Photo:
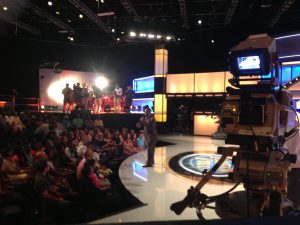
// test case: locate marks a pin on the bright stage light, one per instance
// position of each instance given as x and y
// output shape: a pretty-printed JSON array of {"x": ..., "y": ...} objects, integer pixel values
[
  {"x": 132, "y": 34},
  {"x": 80, "y": 16},
  {"x": 199, "y": 21},
  {"x": 50, "y": 3},
  {"x": 142, "y": 35},
  {"x": 101, "y": 82},
  {"x": 169, "y": 38},
  {"x": 158, "y": 36},
  {"x": 151, "y": 36},
  {"x": 5, "y": 8}
]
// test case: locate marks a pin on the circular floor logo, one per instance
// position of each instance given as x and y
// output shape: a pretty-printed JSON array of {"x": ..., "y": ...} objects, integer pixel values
[{"x": 197, "y": 163}]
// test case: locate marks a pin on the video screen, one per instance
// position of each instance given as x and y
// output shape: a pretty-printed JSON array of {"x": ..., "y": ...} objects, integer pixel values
[{"x": 248, "y": 62}]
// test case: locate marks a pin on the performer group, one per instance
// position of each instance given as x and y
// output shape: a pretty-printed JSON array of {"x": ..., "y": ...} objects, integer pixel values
[{"x": 85, "y": 97}]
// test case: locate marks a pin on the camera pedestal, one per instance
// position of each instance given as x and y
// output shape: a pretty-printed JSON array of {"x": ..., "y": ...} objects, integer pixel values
[{"x": 234, "y": 205}]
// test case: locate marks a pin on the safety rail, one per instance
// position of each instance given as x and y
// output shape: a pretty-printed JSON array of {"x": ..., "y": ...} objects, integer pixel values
[{"x": 12, "y": 103}]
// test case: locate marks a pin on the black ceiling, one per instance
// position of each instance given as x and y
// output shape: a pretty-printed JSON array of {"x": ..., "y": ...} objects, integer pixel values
[{"x": 37, "y": 20}]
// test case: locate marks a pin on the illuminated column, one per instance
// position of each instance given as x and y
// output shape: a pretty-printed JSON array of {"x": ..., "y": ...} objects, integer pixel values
[{"x": 161, "y": 69}]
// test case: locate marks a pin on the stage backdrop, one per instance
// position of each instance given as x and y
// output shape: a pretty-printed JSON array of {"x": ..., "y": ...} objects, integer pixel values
[{"x": 52, "y": 83}]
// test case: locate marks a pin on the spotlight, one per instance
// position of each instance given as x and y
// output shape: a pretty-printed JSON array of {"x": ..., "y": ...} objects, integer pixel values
[
  {"x": 142, "y": 35},
  {"x": 296, "y": 78},
  {"x": 80, "y": 16},
  {"x": 169, "y": 38},
  {"x": 122, "y": 32},
  {"x": 69, "y": 21},
  {"x": 5, "y": 8},
  {"x": 102, "y": 1},
  {"x": 212, "y": 41},
  {"x": 158, "y": 36},
  {"x": 50, "y": 3},
  {"x": 71, "y": 38},
  {"x": 113, "y": 30},
  {"x": 199, "y": 21},
  {"x": 42, "y": 107},
  {"x": 151, "y": 36},
  {"x": 132, "y": 34},
  {"x": 118, "y": 39},
  {"x": 57, "y": 13},
  {"x": 101, "y": 82}
]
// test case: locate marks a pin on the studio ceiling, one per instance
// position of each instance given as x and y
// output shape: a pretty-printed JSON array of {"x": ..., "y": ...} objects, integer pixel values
[{"x": 109, "y": 22}]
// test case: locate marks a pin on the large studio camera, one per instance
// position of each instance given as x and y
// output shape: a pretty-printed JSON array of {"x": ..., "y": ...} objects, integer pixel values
[{"x": 257, "y": 117}]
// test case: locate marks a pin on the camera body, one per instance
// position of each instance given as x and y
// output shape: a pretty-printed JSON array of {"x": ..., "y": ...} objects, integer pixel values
[{"x": 256, "y": 115}]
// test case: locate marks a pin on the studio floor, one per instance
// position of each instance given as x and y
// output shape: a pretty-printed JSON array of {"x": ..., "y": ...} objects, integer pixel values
[{"x": 158, "y": 187}]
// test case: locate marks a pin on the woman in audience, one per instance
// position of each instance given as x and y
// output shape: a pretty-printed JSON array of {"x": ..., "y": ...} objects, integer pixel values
[
  {"x": 128, "y": 147},
  {"x": 10, "y": 167}
]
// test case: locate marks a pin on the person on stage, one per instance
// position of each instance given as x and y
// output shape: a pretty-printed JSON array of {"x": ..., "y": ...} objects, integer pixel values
[
  {"x": 117, "y": 98},
  {"x": 149, "y": 123},
  {"x": 85, "y": 96},
  {"x": 98, "y": 99},
  {"x": 68, "y": 93},
  {"x": 129, "y": 95},
  {"x": 78, "y": 95}
]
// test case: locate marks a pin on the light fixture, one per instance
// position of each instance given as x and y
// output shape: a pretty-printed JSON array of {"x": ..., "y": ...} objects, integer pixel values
[
  {"x": 151, "y": 36},
  {"x": 158, "y": 36},
  {"x": 80, "y": 16},
  {"x": 142, "y": 35},
  {"x": 212, "y": 41},
  {"x": 69, "y": 21},
  {"x": 5, "y": 8},
  {"x": 71, "y": 38},
  {"x": 132, "y": 34},
  {"x": 118, "y": 39},
  {"x": 113, "y": 30},
  {"x": 102, "y": 1},
  {"x": 169, "y": 38},
  {"x": 101, "y": 82},
  {"x": 57, "y": 13},
  {"x": 199, "y": 21},
  {"x": 122, "y": 32},
  {"x": 50, "y": 3}
]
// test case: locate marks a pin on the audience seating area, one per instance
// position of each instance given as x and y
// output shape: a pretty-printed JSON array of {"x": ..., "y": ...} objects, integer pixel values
[{"x": 58, "y": 168}]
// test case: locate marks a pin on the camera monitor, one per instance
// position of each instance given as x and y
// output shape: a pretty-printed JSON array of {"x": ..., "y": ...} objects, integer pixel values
[{"x": 249, "y": 62}]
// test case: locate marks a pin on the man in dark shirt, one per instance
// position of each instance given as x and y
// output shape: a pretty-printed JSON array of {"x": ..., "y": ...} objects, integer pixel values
[
  {"x": 149, "y": 123},
  {"x": 129, "y": 95}
]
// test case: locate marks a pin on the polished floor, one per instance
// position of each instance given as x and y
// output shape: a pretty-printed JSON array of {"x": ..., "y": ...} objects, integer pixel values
[{"x": 159, "y": 187}]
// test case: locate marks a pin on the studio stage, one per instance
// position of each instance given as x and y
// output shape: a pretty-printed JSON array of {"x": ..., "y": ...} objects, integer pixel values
[{"x": 160, "y": 186}]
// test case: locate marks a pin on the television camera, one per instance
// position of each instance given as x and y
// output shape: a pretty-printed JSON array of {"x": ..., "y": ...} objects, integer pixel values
[{"x": 258, "y": 117}]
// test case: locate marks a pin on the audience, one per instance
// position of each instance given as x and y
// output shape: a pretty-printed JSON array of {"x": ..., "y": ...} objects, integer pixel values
[{"x": 62, "y": 160}]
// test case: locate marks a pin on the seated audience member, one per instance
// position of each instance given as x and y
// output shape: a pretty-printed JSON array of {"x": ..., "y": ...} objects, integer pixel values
[
  {"x": 128, "y": 147},
  {"x": 98, "y": 123},
  {"x": 78, "y": 122},
  {"x": 99, "y": 181},
  {"x": 66, "y": 122},
  {"x": 90, "y": 189},
  {"x": 49, "y": 196},
  {"x": 116, "y": 138},
  {"x": 134, "y": 140},
  {"x": 69, "y": 148},
  {"x": 141, "y": 140},
  {"x": 89, "y": 123},
  {"x": 88, "y": 154},
  {"x": 10, "y": 167}
]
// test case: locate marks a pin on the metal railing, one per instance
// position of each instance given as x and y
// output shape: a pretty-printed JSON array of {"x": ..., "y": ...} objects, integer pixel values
[{"x": 12, "y": 103}]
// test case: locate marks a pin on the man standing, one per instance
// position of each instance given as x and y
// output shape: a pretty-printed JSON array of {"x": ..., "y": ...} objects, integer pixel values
[
  {"x": 129, "y": 95},
  {"x": 67, "y": 92},
  {"x": 149, "y": 123},
  {"x": 117, "y": 98}
]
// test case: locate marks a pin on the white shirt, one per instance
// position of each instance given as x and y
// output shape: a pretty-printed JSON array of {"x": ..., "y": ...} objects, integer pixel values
[{"x": 118, "y": 91}]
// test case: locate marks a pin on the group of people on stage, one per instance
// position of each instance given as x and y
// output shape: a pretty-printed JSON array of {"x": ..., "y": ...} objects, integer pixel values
[{"x": 93, "y": 98}]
